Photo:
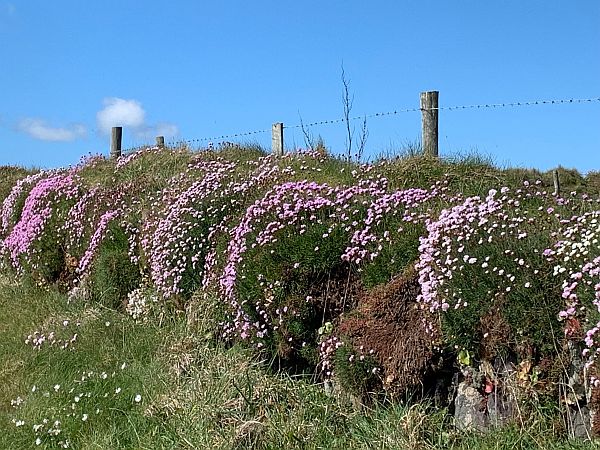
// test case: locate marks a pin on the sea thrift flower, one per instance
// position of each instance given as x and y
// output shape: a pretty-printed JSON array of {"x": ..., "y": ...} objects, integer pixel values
[
  {"x": 9, "y": 203},
  {"x": 96, "y": 240},
  {"x": 36, "y": 212}
]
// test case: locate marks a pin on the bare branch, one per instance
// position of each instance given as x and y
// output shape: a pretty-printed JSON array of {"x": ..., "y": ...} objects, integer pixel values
[
  {"x": 309, "y": 140},
  {"x": 364, "y": 135},
  {"x": 347, "y": 102}
]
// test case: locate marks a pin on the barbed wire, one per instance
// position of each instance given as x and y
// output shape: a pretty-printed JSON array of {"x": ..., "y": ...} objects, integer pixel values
[
  {"x": 218, "y": 138},
  {"x": 449, "y": 108},
  {"x": 387, "y": 113},
  {"x": 529, "y": 103}
]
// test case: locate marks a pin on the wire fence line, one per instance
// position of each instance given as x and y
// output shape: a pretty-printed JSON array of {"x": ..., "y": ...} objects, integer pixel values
[{"x": 378, "y": 115}]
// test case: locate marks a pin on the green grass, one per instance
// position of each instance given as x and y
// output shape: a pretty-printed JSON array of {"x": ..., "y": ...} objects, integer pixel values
[
  {"x": 105, "y": 341},
  {"x": 194, "y": 393},
  {"x": 9, "y": 176}
]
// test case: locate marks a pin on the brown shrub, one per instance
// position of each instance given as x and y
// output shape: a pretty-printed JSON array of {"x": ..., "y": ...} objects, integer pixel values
[{"x": 388, "y": 321}]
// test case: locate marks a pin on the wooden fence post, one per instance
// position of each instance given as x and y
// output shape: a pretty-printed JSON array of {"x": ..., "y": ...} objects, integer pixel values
[
  {"x": 115, "y": 142},
  {"x": 556, "y": 182},
  {"x": 429, "y": 130},
  {"x": 160, "y": 141},
  {"x": 277, "y": 139}
]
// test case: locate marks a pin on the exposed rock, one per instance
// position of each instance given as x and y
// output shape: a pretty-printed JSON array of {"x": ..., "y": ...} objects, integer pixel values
[
  {"x": 470, "y": 409},
  {"x": 579, "y": 423},
  {"x": 483, "y": 402},
  {"x": 576, "y": 373},
  {"x": 581, "y": 397}
]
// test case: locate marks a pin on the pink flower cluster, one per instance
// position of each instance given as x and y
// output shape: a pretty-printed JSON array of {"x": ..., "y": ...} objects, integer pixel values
[
  {"x": 9, "y": 203},
  {"x": 39, "y": 207},
  {"x": 576, "y": 258},
  {"x": 438, "y": 259},
  {"x": 497, "y": 222},
  {"x": 178, "y": 235},
  {"x": 97, "y": 237}
]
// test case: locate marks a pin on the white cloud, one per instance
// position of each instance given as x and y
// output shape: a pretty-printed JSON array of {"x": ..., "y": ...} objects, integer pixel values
[
  {"x": 39, "y": 129},
  {"x": 118, "y": 112}
]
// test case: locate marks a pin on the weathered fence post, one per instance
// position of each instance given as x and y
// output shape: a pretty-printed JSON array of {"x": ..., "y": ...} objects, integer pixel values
[
  {"x": 556, "y": 182},
  {"x": 115, "y": 142},
  {"x": 277, "y": 139},
  {"x": 160, "y": 141},
  {"x": 429, "y": 112}
]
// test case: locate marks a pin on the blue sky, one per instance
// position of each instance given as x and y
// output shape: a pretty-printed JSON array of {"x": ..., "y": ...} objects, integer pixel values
[{"x": 189, "y": 69}]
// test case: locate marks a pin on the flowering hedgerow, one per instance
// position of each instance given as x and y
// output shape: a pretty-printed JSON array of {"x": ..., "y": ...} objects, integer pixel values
[
  {"x": 37, "y": 220},
  {"x": 86, "y": 225},
  {"x": 483, "y": 260},
  {"x": 186, "y": 219},
  {"x": 290, "y": 240},
  {"x": 268, "y": 236},
  {"x": 173, "y": 240}
]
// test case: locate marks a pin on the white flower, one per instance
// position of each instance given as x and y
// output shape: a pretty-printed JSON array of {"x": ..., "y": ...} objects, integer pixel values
[
  {"x": 84, "y": 417},
  {"x": 117, "y": 390},
  {"x": 56, "y": 387},
  {"x": 38, "y": 441},
  {"x": 138, "y": 398}
]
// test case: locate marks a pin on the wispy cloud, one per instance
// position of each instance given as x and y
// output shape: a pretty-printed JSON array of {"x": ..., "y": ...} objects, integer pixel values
[
  {"x": 39, "y": 129},
  {"x": 119, "y": 112}
]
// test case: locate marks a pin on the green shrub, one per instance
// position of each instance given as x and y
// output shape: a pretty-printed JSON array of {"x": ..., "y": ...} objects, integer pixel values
[
  {"x": 113, "y": 275},
  {"x": 357, "y": 373}
]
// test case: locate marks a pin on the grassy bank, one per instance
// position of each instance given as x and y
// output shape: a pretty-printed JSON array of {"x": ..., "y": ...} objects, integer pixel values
[
  {"x": 230, "y": 299},
  {"x": 193, "y": 393}
]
